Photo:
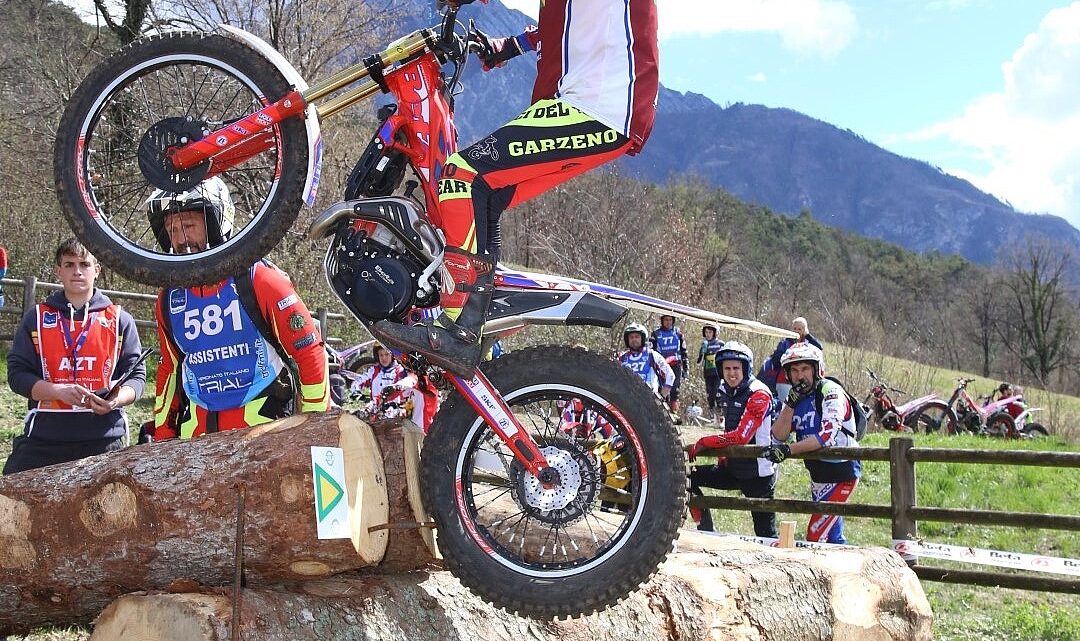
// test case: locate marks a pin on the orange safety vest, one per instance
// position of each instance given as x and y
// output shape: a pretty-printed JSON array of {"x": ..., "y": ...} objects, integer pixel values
[{"x": 80, "y": 351}]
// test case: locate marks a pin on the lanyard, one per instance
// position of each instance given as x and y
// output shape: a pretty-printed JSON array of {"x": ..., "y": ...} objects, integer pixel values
[{"x": 74, "y": 345}]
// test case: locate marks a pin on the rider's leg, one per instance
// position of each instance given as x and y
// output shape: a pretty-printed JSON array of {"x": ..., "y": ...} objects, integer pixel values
[
  {"x": 546, "y": 145},
  {"x": 829, "y": 527}
]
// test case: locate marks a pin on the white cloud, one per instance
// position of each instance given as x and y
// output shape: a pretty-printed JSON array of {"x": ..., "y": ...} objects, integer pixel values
[
  {"x": 528, "y": 7},
  {"x": 1028, "y": 134},
  {"x": 758, "y": 77},
  {"x": 822, "y": 27}
]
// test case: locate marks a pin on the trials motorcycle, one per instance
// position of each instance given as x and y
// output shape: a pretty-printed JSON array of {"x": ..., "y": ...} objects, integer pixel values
[{"x": 524, "y": 516}]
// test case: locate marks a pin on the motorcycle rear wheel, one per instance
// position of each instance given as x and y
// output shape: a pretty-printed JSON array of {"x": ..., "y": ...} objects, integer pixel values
[
  {"x": 153, "y": 94},
  {"x": 1036, "y": 430},
  {"x": 1001, "y": 424},
  {"x": 584, "y": 544},
  {"x": 934, "y": 417}
]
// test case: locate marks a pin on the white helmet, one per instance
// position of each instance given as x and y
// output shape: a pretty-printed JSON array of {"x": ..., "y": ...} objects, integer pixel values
[
  {"x": 804, "y": 352},
  {"x": 632, "y": 328},
  {"x": 736, "y": 351},
  {"x": 211, "y": 197}
]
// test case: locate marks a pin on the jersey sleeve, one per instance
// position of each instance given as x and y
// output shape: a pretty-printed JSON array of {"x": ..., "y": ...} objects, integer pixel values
[
  {"x": 753, "y": 417},
  {"x": 294, "y": 329},
  {"x": 167, "y": 387},
  {"x": 835, "y": 413},
  {"x": 663, "y": 368}
]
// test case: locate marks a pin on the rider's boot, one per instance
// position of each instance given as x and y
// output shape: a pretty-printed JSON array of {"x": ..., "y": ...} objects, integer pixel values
[{"x": 452, "y": 341}]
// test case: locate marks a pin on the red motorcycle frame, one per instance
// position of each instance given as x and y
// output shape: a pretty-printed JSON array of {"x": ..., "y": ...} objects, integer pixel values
[
  {"x": 928, "y": 412},
  {"x": 977, "y": 417}
]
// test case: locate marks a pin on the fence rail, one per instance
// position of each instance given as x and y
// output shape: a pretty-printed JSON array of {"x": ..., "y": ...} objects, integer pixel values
[
  {"x": 30, "y": 286},
  {"x": 905, "y": 514}
]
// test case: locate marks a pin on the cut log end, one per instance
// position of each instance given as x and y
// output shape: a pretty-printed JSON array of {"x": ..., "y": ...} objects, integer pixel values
[{"x": 364, "y": 471}]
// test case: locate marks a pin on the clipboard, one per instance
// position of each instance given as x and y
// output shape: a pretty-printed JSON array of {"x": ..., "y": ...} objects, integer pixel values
[{"x": 107, "y": 392}]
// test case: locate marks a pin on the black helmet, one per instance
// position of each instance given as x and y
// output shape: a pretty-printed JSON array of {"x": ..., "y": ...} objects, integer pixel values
[{"x": 211, "y": 196}]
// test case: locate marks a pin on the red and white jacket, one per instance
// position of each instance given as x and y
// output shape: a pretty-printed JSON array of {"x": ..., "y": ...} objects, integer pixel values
[{"x": 602, "y": 57}]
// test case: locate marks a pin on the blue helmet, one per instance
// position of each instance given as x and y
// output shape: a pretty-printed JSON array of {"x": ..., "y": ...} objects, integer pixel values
[{"x": 736, "y": 351}]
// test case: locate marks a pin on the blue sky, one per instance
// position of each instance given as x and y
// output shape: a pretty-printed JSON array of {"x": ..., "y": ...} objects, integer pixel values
[{"x": 988, "y": 90}]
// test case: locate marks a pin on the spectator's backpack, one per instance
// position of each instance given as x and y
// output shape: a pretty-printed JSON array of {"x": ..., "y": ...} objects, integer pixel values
[{"x": 857, "y": 410}]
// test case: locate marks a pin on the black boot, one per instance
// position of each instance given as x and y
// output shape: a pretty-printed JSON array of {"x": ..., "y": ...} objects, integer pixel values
[{"x": 450, "y": 343}]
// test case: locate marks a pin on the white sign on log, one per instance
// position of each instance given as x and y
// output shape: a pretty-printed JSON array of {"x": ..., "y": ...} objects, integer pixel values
[{"x": 331, "y": 495}]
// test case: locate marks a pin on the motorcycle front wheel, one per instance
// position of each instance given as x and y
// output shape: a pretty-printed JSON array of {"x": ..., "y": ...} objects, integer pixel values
[
  {"x": 159, "y": 93},
  {"x": 934, "y": 417},
  {"x": 597, "y": 534}
]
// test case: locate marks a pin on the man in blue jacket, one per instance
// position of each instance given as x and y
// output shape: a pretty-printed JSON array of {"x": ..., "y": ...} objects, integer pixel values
[{"x": 75, "y": 343}]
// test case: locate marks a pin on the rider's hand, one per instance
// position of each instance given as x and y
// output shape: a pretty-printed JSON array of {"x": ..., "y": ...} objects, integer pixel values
[
  {"x": 494, "y": 52},
  {"x": 389, "y": 389},
  {"x": 794, "y": 396},
  {"x": 776, "y": 453}
]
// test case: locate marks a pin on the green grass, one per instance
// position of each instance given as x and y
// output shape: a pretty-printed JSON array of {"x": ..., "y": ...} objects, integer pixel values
[
  {"x": 965, "y": 612},
  {"x": 962, "y": 613}
]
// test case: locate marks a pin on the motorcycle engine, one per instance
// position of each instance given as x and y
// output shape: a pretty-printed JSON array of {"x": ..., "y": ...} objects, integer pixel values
[
  {"x": 375, "y": 281},
  {"x": 890, "y": 420}
]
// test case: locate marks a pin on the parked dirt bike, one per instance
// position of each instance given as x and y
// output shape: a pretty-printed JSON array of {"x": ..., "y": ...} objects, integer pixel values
[
  {"x": 982, "y": 416},
  {"x": 1031, "y": 429},
  {"x": 345, "y": 367},
  {"x": 529, "y": 534},
  {"x": 392, "y": 403},
  {"x": 926, "y": 413}
]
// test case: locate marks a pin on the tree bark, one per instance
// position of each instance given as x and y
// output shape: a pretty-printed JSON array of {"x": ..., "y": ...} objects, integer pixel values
[
  {"x": 728, "y": 590},
  {"x": 73, "y": 537},
  {"x": 411, "y": 545}
]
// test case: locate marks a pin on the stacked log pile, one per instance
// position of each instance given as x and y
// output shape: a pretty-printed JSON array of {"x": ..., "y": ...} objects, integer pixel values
[{"x": 145, "y": 538}]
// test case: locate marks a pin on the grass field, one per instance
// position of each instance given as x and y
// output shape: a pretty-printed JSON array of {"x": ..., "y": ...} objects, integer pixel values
[{"x": 962, "y": 613}]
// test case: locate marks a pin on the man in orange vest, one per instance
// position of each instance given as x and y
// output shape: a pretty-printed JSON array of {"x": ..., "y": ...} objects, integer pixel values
[{"x": 74, "y": 344}]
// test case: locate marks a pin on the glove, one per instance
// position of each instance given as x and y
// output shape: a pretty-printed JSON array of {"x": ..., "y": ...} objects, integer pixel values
[
  {"x": 793, "y": 397},
  {"x": 494, "y": 52},
  {"x": 693, "y": 451},
  {"x": 389, "y": 389},
  {"x": 776, "y": 453}
]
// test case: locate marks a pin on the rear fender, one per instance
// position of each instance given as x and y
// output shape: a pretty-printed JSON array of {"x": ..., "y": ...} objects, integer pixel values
[{"x": 311, "y": 119}]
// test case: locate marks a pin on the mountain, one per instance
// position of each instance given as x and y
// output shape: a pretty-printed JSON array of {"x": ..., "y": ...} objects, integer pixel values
[{"x": 779, "y": 158}]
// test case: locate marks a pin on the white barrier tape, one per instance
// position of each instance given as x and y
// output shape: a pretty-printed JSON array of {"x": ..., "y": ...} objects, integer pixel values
[
  {"x": 1034, "y": 562},
  {"x": 910, "y": 550},
  {"x": 773, "y": 543}
]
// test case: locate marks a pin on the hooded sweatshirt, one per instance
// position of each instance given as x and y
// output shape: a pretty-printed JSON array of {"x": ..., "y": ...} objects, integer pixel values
[{"x": 25, "y": 369}]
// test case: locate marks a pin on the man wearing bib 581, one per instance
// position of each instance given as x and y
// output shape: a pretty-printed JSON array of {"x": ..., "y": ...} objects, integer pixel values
[
  {"x": 594, "y": 100},
  {"x": 228, "y": 349}
]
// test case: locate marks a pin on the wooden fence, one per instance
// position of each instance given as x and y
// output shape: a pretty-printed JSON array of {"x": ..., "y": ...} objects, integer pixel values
[
  {"x": 905, "y": 514},
  {"x": 31, "y": 285}
]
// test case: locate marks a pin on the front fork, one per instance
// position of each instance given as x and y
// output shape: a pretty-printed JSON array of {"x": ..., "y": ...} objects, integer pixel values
[{"x": 491, "y": 407}]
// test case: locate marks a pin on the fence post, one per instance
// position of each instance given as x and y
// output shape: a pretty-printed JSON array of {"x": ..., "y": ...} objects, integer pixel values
[
  {"x": 320, "y": 313},
  {"x": 29, "y": 293},
  {"x": 902, "y": 482}
]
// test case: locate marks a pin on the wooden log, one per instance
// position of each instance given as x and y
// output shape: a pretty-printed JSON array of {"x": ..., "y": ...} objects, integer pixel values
[
  {"x": 411, "y": 544},
  {"x": 728, "y": 590},
  {"x": 73, "y": 537}
]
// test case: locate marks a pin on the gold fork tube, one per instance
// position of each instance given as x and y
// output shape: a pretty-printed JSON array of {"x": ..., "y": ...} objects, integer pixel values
[
  {"x": 330, "y": 108},
  {"x": 398, "y": 50}
]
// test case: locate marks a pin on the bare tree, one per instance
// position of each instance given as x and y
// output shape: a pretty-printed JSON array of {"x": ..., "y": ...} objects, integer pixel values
[
  {"x": 126, "y": 25},
  {"x": 316, "y": 36},
  {"x": 1043, "y": 318}
]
